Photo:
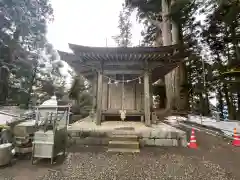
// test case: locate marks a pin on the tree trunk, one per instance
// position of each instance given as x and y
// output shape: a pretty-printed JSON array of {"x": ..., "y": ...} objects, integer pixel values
[
  {"x": 238, "y": 111},
  {"x": 220, "y": 100},
  {"x": 180, "y": 73},
  {"x": 5, "y": 73},
  {"x": 232, "y": 106},
  {"x": 206, "y": 106},
  {"x": 201, "y": 104},
  {"x": 235, "y": 44},
  {"x": 176, "y": 72},
  {"x": 166, "y": 24},
  {"x": 176, "y": 97},
  {"x": 4, "y": 76},
  {"x": 235, "y": 62},
  {"x": 166, "y": 36},
  {"x": 30, "y": 89},
  {"x": 229, "y": 103}
]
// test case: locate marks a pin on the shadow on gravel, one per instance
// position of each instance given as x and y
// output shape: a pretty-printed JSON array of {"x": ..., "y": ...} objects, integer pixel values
[{"x": 46, "y": 162}]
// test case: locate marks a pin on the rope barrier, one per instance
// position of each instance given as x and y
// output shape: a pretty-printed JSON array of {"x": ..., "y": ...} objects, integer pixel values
[{"x": 122, "y": 81}]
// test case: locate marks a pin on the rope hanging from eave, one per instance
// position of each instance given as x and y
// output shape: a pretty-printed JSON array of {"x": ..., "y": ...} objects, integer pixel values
[
  {"x": 123, "y": 91},
  {"x": 123, "y": 111}
]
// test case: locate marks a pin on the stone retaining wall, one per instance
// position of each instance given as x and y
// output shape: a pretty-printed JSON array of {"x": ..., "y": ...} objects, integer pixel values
[
  {"x": 147, "y": 138},
  {"x": 159, "y": 137}
]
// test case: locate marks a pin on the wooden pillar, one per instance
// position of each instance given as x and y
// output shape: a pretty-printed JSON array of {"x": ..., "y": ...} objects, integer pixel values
[
  {"x": 147, "y": 98},
  {"x": 94, "y": 91},
  {"x": 150, "y": 91},
  {"x": 99, "y": 98}
]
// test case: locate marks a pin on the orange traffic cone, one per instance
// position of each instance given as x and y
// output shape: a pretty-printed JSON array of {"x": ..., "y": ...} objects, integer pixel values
[
  {"x": 193, "y": 142},
  {"x": 236, "y": 138}
]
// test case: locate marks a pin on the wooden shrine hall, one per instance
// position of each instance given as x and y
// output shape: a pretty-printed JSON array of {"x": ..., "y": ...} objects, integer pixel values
[{"x": 122, "y": 77}]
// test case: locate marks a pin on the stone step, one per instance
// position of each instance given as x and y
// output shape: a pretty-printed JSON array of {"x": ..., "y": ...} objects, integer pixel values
[
  {"x": 124, "y": 132},
  {"x": 124, "y": 144},
  {"x": 123, "y": 150},
  {"x": 126, "y": 137}
]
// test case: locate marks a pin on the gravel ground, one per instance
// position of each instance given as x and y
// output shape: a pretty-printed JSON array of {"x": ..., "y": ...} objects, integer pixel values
[
  {"x": 149, "y": 164},
  {"x": 215, "y": 159}
]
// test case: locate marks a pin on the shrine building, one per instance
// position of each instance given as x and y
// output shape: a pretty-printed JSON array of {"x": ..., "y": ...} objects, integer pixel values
[{"x": 122, "y": 78}]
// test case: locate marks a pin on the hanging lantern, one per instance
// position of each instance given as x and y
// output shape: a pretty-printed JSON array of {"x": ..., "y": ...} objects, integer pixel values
[{"x": 139, "y": 80}]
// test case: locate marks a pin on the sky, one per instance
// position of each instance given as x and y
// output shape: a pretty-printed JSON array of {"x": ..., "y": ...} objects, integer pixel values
[{"x": 87, "y": 22}]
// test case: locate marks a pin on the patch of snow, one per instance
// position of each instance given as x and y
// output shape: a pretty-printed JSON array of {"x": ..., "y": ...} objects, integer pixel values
[
  {"x": 5, "y": 145},
  {"x": 14, "y": 110},
  {"x": 226, "y": 127},
  {"x": 174, "y": 119},
  {"x": 5, "y": 118},
  {"x": 6, "y": 111}
]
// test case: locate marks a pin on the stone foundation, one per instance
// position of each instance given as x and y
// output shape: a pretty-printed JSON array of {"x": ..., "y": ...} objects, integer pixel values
[
  {"x": 149, "y": 137},
  {"x": 143, "y": 141}
]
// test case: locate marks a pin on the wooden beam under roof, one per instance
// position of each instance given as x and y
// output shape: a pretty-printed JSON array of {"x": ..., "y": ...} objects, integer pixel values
[
  {"x": 123, "y": 71},
  {"x": 122, "y": 63}
]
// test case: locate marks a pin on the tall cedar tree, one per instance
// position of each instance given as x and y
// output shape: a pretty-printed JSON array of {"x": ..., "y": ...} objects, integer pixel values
[{"x": 123, "y": 39}]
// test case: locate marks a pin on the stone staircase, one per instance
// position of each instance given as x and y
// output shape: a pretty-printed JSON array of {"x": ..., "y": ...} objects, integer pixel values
[{"x": 124, "y": 140}]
